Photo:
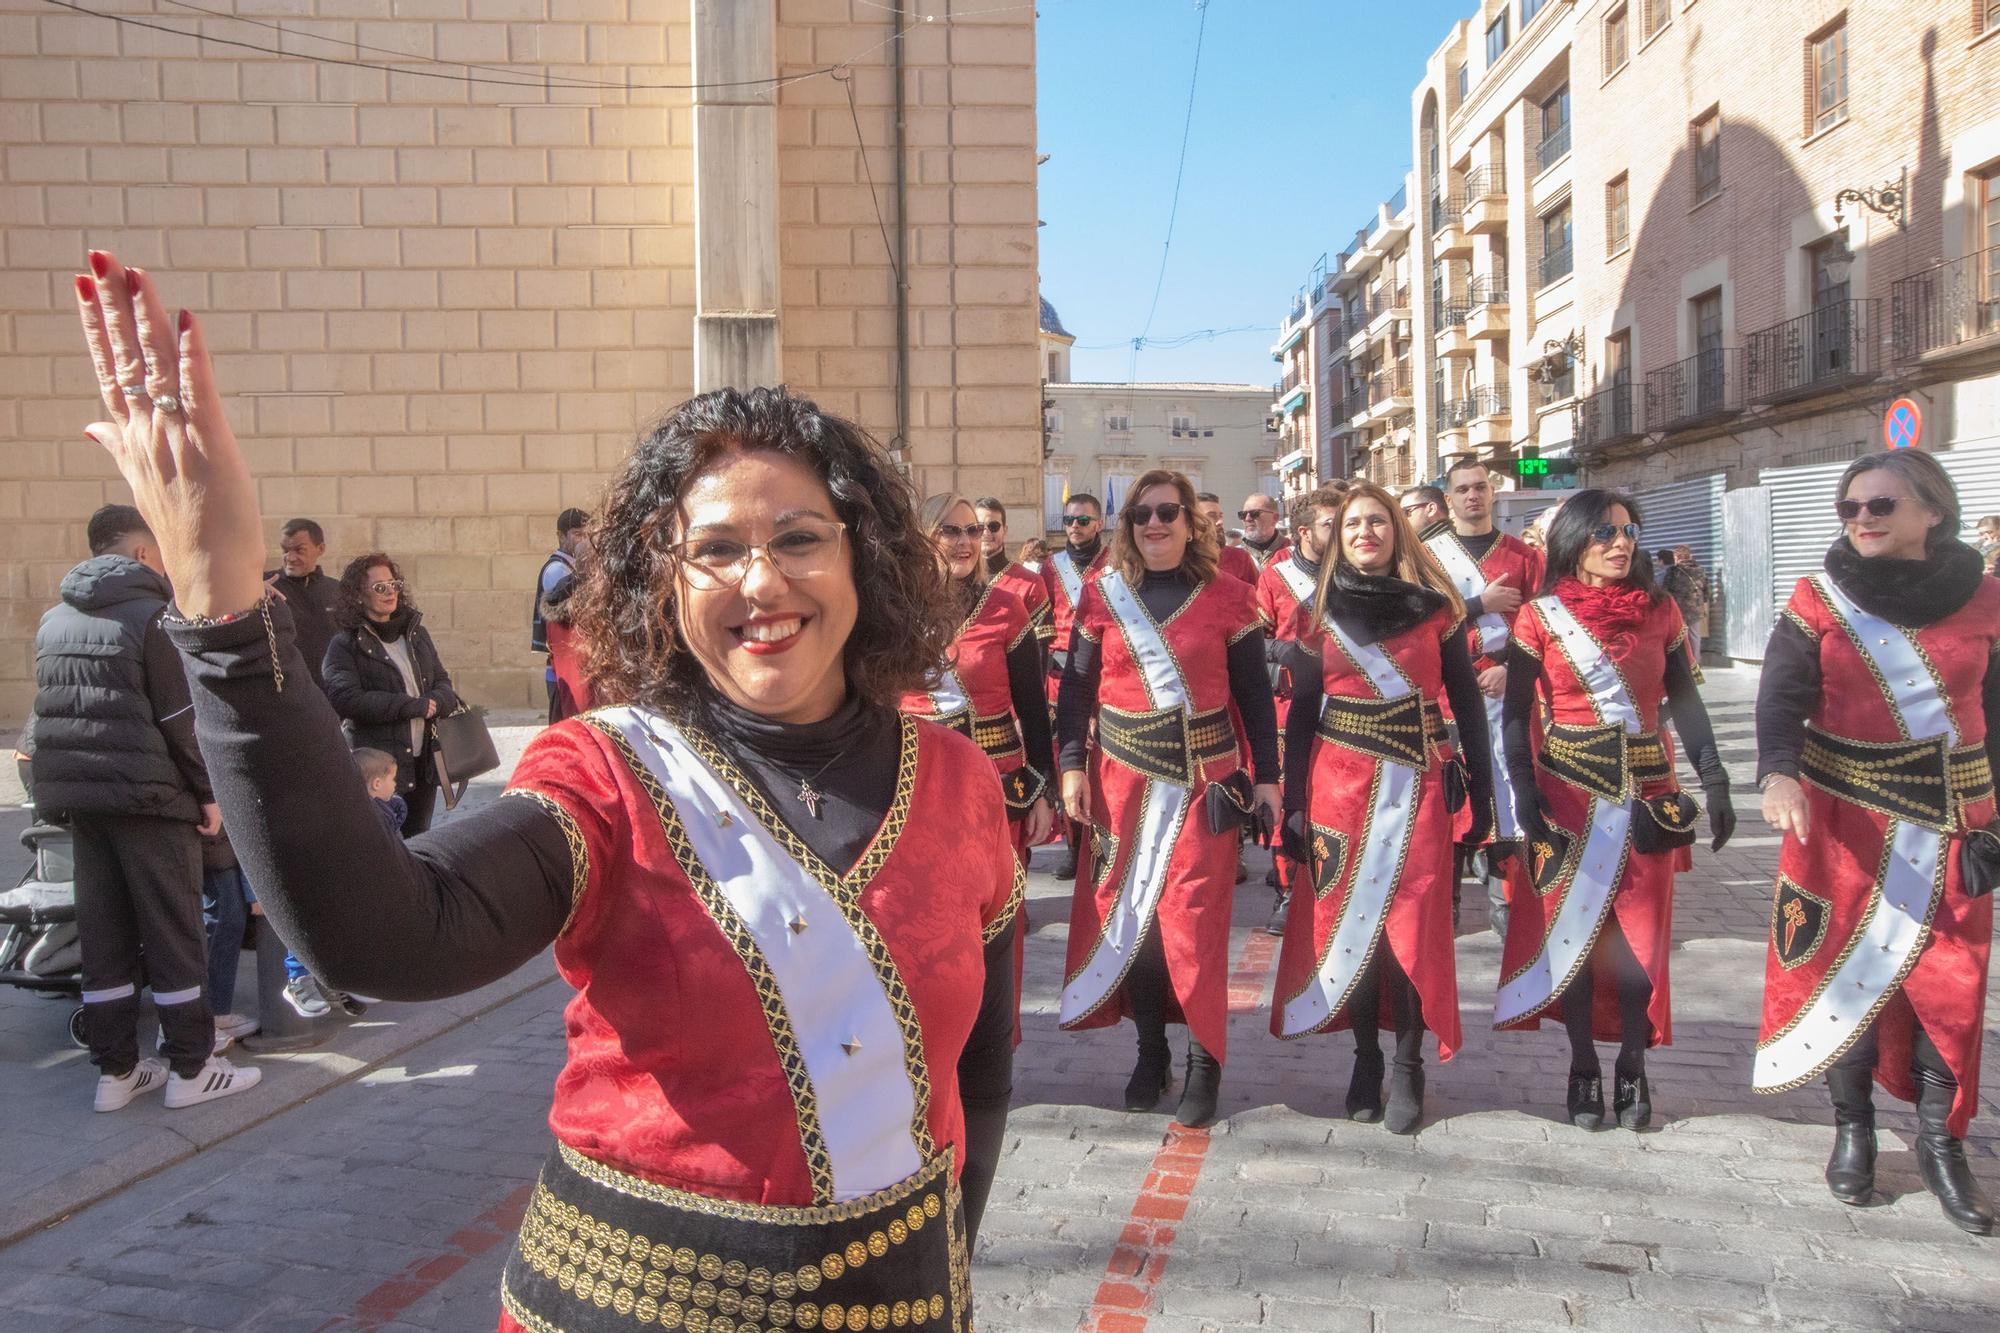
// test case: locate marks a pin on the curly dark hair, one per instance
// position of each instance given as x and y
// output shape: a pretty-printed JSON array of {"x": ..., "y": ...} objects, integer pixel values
[
  {"x": 624, "y": 611},
  {"x": 350, "y": 603}
]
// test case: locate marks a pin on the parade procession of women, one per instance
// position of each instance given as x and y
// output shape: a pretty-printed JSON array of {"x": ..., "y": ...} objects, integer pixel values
[{"x": 783, "y": 864}]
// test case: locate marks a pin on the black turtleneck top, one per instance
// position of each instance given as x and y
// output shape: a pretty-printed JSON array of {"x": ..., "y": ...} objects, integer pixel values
[
  {"x": 997, "y": 562},
  {"x": 1164, "y": 593}
]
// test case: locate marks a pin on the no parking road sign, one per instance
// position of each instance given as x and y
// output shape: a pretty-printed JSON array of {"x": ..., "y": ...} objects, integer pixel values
[{"x": 1902, "y": 424}]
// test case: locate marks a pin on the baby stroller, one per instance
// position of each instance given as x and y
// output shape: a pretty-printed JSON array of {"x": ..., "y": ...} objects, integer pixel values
[{"x": 39, "y": 950}]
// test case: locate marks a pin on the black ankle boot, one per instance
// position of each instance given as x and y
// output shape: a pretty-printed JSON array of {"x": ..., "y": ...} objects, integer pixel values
[
  {"x": 1632, "y": 1100},
  {"x": 1850, "y": 1171},
  {"x": 1586, "y": 1098},
  {"x": 1151, "y": 1075},
  {"x": 1279, "y": 914},
  {"x": 1204, "y": 1085},
  {"x": 1941, "y": 1158},
  {"x": 1406, "y": 1099},
  {"x": 1364, "y": 1088},
  {"x": 1066, "y": 868}
]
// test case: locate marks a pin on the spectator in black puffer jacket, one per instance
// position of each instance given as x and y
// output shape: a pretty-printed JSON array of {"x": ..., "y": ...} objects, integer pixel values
[
  {"x": 115, "y": 754},
  {"x": 384, "y": 679}
]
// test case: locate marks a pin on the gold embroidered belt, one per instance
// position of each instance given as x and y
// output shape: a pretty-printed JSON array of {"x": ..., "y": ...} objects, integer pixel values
[
  {"x": 1400, "y": 730},
  {"x": 1167, "y": 745},
  {"x": 1606, "y": 761},
  {"x": 600, "y": 1249},
  {"x": 1925, "y": 782},
  {"x": 997, "y": 735}
]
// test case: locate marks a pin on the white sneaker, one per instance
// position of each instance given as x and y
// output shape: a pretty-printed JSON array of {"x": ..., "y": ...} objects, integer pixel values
[
  {"x": 217, "y": 1078},
  {"x": 236, "y": 1025},
  {"x": 115, "y": 1094}
]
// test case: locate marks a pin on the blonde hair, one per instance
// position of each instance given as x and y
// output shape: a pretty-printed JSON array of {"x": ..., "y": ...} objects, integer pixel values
[
  {"x": 1204, "y": 548},
  {"x": 932, "y": 513},
  {"x": 1413, "y": 561}
]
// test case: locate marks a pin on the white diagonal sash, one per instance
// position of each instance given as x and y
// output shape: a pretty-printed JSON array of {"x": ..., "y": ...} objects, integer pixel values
[
  {"x": 1586, "y": 889},
  {"x": 1383, "y": 843},
  {"x": 1301, "y": 583},
  {"x": 1163, "y": 809},
  {"x": 1069, "y": 576},
  {"x": 839, "y": 1012},
  {"x": 1470, "y": 580},
  {"x": 1893, "y": 930}
]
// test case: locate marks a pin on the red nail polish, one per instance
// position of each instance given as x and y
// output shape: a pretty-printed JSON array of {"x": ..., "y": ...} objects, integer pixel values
[
  {"x": 131, "y": 277},
  {"x": 85, "y": 287},
  {"x": 100, "y": 263},
  {"x": 186, "y": 320}
]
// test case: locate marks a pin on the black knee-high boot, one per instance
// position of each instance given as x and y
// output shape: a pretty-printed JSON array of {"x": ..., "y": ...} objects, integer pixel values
[
  {"x": 1586, "y": 1075},
  {"x": 1941, "y": 1154},
  {"x": 1146, "y": 990},
  {"x": 1850, "y": 1170},
  {"x": 1406, "y": 1084},
  {"x": 1204, "y": 1087}
]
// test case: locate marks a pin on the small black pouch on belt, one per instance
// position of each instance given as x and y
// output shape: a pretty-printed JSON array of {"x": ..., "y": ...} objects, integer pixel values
[
  {"x": 1979, "y": 861},
  {"x": 1665, "y": 822},
  {"x": 1230, "y": 804}
]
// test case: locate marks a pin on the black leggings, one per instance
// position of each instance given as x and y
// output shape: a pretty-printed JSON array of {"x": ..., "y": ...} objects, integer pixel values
[
  {"x": 1148, "y": 989},
  {"x": 1930, "y": 1066},
  {"x": 1635, "y": 993},
  {"x": 1406, "y": 1009}
]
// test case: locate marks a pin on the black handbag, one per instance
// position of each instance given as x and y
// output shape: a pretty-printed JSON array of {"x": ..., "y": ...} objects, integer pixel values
[
  {"x": 1231, "y": 804},
  {"x": 1979, "y": 861},
  {"x": 1665, "y": 822},
  {"x": 1457, "y": 785},
  {"x": 1022, "y": 788},
  {"x": 461, "y": 750}
]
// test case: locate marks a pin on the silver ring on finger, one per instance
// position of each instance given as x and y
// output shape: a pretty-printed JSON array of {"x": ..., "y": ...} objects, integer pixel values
[
  {"x": 134, "y": 391},
  {"x": 166, "y": 402}
]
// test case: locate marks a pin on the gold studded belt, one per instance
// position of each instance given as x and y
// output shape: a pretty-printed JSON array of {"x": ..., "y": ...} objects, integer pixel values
[
  {"x": 997, "y": 735},
  {"x": 601, "y": 1249},
  {"x": 1924, "y": 782},
  {"x": 1606, "y": 761},
  {"x": 1166, "y": 744},
  {"x": 1399, "y": 730}
]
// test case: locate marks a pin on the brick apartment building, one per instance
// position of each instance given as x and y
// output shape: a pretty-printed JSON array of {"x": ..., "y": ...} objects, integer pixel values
[{"x": 448, "y": 281}]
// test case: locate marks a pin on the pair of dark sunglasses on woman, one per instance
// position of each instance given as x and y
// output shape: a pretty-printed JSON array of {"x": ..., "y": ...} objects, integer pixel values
[
  {"x": 952, "y": 532},
  {"x": 1611, "y": 532},
  {"x": 1879, "y": 506},
  {"x": 1141, "y": 515}
]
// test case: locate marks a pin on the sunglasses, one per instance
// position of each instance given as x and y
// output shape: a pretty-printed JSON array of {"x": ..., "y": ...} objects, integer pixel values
[
  {"x": 386, "y": 585},
  {"x": 1078, "y": 520},
  {"x": 1247, "y": 514},
  {"x": 1141, "y": 515},
  {"x": 1611, "y": 532},
  {"x": 1880, "y": 506},
  {"x": 952, "y": 532}
]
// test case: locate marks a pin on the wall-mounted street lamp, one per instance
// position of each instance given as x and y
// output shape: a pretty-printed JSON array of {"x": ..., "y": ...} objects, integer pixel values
[{"x": 1891, "y": 199}]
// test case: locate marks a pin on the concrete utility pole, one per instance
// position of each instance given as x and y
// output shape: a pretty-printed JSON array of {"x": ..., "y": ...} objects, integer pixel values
[{"x": 736, "y": 341}]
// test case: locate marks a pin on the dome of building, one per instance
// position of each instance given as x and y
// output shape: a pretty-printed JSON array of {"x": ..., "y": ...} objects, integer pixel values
[{"x": 1052, "y": 322}]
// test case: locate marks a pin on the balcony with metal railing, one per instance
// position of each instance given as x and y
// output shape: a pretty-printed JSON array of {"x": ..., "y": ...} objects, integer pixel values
[
  {"x": 1553, "y": 148},
  {"x": 1486, "y": 199},
  {"x": 1449, "y": 326},
  {"x": 1558, "y": 263},
  {"x": 1387, "y": 300},
  {"x": 1291, "y": 392},
  {"x": 1449, "y": 238},
  {"x": 1948, "y": 310},
  {"x": 1703, "y": 388},
  {"x": 1832, "y": 347},
  {"x": 1610, "y": 415},
  {"x": 1488, "y": 417},
  {"x": 1388, "y": 392},
  {"x": 1488, "y": 314}
]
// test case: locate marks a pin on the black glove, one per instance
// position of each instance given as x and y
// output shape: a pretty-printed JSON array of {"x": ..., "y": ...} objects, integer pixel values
[
  {"x": 1721, "y": 815},
  {"x": 1535, "y": 815},
  {"x": 1294, "y": 839},
  {"x": 1482, "y": 825}
]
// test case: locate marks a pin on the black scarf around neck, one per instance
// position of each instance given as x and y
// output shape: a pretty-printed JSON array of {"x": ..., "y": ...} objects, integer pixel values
[
  {"x": 1907, "y": 592},
  {"x": 395, "y": 627},
  {"x": 1374, "y": 607}
]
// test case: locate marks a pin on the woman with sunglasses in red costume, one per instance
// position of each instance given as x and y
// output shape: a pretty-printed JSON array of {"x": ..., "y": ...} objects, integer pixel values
[
  {"x": 1875, "y": 755},
  {"x": 1590, "y": 899},
  {"x": 1161, "y": 650}
]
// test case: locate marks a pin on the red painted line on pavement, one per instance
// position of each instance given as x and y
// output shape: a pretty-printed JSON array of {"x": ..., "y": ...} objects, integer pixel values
[
  {"x": 1139, "y": 1260},
  {"x": 426, "y": 1273}
]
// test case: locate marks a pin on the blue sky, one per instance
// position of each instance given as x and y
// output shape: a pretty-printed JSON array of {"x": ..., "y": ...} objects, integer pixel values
[{"x": 1301, "y": 125}]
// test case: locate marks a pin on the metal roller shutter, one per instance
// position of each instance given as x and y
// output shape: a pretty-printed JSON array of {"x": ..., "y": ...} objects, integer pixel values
[{"x": 1690, "y": 513}]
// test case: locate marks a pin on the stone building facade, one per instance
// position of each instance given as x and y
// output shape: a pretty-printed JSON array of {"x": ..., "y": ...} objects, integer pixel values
[
  {"x": 449, "y": 279},
  {"x": 1103, "y": 437}
]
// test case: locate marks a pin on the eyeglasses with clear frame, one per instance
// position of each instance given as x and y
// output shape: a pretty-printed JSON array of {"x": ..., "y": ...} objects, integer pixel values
[
  {"x": 801, "y": 551},
  {"x": 382, "y": 586}
]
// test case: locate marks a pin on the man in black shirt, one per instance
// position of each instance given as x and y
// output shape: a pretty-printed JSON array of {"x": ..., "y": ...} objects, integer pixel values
[{"x": 308, "y": 590}]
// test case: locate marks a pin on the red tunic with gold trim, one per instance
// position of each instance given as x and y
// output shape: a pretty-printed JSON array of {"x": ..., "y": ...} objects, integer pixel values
[
  {"x": 1377, "y": 848},
  {"x": 1062, "y": 608},
  {"x": 1192, "y": 916},
  {"x": 1027, "y": 585},
  {"x": 1263, "y": 560},
  {"x": 683, "y": 1063},
  {"x": 1522, "y": 566},
  {"x": 1643, "y": 893},
  {"x": 1278, "y": 603},
  {"x": 1238, "y": 563},
  {"x": 1830, "y": 885}
]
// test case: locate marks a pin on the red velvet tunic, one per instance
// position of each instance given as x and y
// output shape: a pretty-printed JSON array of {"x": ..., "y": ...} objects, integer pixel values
[
  {"x": 1839, "y": 862},
  {"x": 1239, "y": 564},
  {"x": 979, "y": 658},
  {"x": 1521, "y": 565},
  {"x": 672, "y": 1071},
  {"x": 1279, "y": 607},
  {"x": 1643, "y": 898},
  {"x": 1027, "y": 585},
  {"x": 1193, "y": 914},
  {"x": 1418, "y": 931}
]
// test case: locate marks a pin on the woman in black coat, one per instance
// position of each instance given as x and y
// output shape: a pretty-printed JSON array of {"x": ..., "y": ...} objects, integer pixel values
[{"x": 384, "y": 679}]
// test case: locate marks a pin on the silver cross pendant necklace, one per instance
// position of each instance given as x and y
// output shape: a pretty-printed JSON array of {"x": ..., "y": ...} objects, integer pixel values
[{"x": 809, "y": 795}]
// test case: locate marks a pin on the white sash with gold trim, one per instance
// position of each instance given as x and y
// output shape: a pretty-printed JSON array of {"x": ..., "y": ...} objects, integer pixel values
[
  {"x": 1296, "y": 579},
  {"x": 839, "y": 1011},
  {"x": 1383, "y": 844},
  {"x": 1068, "y": 575},
  {"x": 1893, "y": 931},
  {"x": 1586, "y": 886},
  {"x": 1162, "y": 811},
  {"x": 1470, "y": 580}
]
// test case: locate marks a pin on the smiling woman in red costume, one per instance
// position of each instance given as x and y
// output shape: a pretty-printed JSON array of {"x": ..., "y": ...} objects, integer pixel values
[
  {"x": 1875, "y": 753},
  {"x": 1590, "y": 905},
  {"x": 1162, "y": 647},
  {"x": 770, "y": 890},
  {"x": 1365, "y": 804}
]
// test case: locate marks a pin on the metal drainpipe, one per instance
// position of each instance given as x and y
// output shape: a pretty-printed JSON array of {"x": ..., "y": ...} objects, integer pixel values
[{"x": 901, "y": 444}]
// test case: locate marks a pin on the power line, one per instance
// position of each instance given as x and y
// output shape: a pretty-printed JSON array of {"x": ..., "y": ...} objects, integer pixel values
[
  {"x": 1180, "y": 168},
  {"x": 1179, "y": 339}
]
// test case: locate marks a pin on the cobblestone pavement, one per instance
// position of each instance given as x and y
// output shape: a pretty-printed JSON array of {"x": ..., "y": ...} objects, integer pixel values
[{"x": 387, "y": 1201}]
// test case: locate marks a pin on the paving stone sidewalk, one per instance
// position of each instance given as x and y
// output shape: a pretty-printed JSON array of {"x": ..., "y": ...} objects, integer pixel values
[{"x": 385, "y": 1201}]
